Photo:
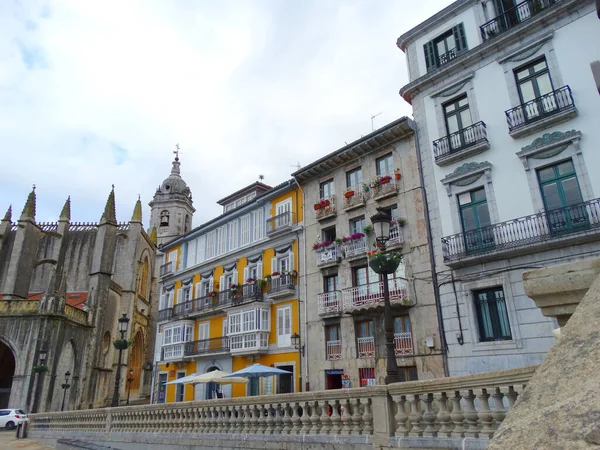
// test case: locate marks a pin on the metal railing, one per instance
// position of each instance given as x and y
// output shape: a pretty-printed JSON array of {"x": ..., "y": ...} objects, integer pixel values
[
  {"x": 447, "y": 57},
  {"x": 207, "y": 346},
  {"x": 166, "y": 269},
  {"x": 385, "y": 184},
  {"x": 334, "y": 350},
  {"x": 523, "y": 231},
  {"x": 356, "y": 247},
  {"x": 366, "y": 347},
  {"x": 165, "y": 314},
  {"x": 329, "y": 302},
  {"x": 372, "y": 294},
  {"x": 462, "y": 139},
  {"x": 281, "y": 284},
  {"x": 547, "y": 105},
  {"x": 396, "y": 236},
  {"x": 403, "y": 343},
  {"x": 514, "y": 16},
  {"x": 281, "y": 222},
  {"x": 231, "y": 297},
  {"x": 358, "y": 197},
  {"x": 327, "y": 255},
  {"x": 326, "y": 207}
]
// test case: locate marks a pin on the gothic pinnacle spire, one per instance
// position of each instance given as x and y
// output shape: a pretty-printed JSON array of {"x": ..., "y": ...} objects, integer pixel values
[
  {"x": 8, "y": 215},
  {"x": 29, "y": 209},
  {"x": 65, "y": 214},
  {"x": 137, "y": 211},
  {"x": 109, "y": 215},
  {"x": 153, "y": 235}
]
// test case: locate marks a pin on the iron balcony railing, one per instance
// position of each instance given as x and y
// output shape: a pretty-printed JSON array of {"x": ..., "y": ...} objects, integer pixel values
[
  {"x": 523, "y": 231},
  {"x": 223, "y": 299},
  {"x": 366, "y": 347},
  {"x": 356, "y": 247},
  {"x": 329, "y": 302},
  {"x": 371, "y": 294},
  {"x": 403, "y": 343},
  {"x": 539, "y": 108},
  {"x": 207, "y": 346},
  {"x": 384, "y": 184},
  {"x": 334, "y": 350},
  {"x": 281, "y": 283},
  {"x": 165, "y": 314},
  {"x": 396, "y": 236},
  {"x": 354, "y": 196},
  {"x": 281, "y": 222},
  {"x": 325, "y": 207},
  {"x": 327, "y": 255},
  {"x": 514, "y": 16},
  {"x": 166, "y": 269},
  {"x": 462, "y": 139},
  {"x": 447, "y": 57}
]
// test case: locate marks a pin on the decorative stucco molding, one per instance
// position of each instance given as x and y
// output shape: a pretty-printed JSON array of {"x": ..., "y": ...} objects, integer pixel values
[
  {"x": 549, "y": 145},
  {"x": 453, "y": 87},
  {"x": 527, "y": 50},
  {"x": 467, "y": 174}
]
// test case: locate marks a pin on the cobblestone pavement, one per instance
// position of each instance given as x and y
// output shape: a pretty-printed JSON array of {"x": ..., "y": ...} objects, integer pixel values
[{"x": 8, "y": 441}]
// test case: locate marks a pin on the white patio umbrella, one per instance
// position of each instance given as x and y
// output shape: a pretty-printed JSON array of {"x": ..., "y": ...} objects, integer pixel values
[
  {"x": 182, "y": 380},
  {"x": 216, "y": 376}
]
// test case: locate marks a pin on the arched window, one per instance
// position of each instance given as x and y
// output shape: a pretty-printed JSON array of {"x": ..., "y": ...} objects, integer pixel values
[
  {"x": 164, "y": 218},
  {"x": 143, "y": 289}
]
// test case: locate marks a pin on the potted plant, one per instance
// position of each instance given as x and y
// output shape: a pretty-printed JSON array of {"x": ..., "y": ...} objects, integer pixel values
[
  {"x": 384, "y": 263},
  {"x": 325, "y": 203},
  {"x": 251, "y": 280},
  {"x": 42, "y": 368},
  {"x": 275, "y": 274},
  {"x": 338, "y": 240},
  {"x": 122, "y": 344},
  {"x": 385, "y": 179},
  {"x": 317, "y": 206},
  {"x": 368, "y": 230},
  {"x": 349, "y": 193},
  {"x": 401, "y": 222},
  {"x": 397, "y": 174},
  {"x": 365, "y": 187}
]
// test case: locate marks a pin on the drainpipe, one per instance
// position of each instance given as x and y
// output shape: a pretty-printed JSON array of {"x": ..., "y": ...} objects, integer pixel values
[
  {"x": 434, "y": 278},
  {"x": 302, "y": 248}
]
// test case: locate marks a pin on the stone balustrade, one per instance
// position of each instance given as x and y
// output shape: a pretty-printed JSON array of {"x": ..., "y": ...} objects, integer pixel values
[{"x": 439, "y": 412}]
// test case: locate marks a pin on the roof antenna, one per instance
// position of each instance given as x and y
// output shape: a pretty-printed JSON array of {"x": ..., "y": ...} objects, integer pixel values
[
  {"x": 261, "y": 177},
  {"x": 372, "y": 117},
  {"x": 298, "y": 166}
]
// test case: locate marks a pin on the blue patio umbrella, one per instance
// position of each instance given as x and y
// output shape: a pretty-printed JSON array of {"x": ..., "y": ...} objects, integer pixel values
[{"x": 257, "y": 371}]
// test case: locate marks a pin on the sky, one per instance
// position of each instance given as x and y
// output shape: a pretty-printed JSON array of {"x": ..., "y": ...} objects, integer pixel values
[{"x": 99, "y": 93}]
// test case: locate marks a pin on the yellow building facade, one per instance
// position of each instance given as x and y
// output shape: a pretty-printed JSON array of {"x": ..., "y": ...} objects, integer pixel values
[{"x": 229, "y": 297}]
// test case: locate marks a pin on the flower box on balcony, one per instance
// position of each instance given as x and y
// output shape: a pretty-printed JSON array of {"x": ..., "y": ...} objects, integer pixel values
[
  {"x": 325, "y": 203},
  {"x": 385, "y": 180},
  {"x": 317, "y": 206},
  {"x": 348, "y": 194}
]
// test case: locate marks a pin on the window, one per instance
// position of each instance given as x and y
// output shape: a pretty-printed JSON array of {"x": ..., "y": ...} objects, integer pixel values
[
  {"x": 330, "y": 283},
  {"x": 385, "y": 165},
  {"x": 357, "y": 225},
  {"x": 328, "y": 234},
  {"x": 491, "y": 314},
  {"x": 259, "y": 224},
  {"x": 284, "y": 326},
  {"x": 458, "y": 117},
  {"x": 179, "y": 393},
  {"x": 283, "y": 263},
  {"x": 475, "y": 217},
  {"x": 162, "y": 388},
  {"x": 408, "y": 373},
  {"x": 245, "y": 230},
  {"x": 249, "y": 320},
  {"x": 178, "y": 334},
  {"x": 143, "y": 288},
  {"x": 445, "y": 47},
  {"x": 164, "y": 218},
  {"x": 333, "y": 341},
  {"x": 366, "y": 375},
  {"x": 233, "y": 235},
  {"x": 204, "y": 333},
  {"x": 222, "y": 240},
  {"x": 326, "y": 189},
  {"x": 365, "y": 329},
  {"x": 562, "y": 197},
  {"x": 201, "y": 250},
  {"x": 533, "y": 82},
  {"x": 402, "y": 324},
  {"x": 354, "y": 177},
  {"x": 186, "y": 297},
  {"x": 210, "y": 244},
  {"x": 235, "y": 323}
]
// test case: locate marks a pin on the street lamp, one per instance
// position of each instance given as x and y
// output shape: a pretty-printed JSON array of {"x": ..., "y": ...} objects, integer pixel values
[
  {"x": 129, "y": 380},
  {"x": 39, "y": 369},
  {"x": 296, "y": 343},
  {"x": 120, "y": 345},
  {"x": 65, "y": 386},
  {"x": 381, "y": 227}
]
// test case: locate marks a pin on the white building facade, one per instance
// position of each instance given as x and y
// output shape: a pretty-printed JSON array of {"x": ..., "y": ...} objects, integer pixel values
[{"x": 507, "y": 115}]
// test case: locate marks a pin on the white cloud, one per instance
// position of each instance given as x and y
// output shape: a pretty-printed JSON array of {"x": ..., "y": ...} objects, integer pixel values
[{"x": 96, "y": 93}]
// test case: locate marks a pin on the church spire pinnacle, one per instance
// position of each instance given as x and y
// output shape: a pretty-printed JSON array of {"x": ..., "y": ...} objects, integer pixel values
[
  {"x": 137, "y": 211},
  {"x": 8, "y": 215},
  {"x": 109, "y": 215},
  {"x": 65, "y": 214},
  {"x": 175, "y": 169},
  {"x": 29, "y": 209}
]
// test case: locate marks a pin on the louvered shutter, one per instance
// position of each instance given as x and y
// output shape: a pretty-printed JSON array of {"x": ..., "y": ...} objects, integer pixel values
[
  {"x": 179, "y": 296},
  {"x": 430, "y": 59},
  {"x": 198, "y": 290},
  {"x": 222, "y": 286},
  {"x": 291, "y": 261},
  {"x": 459, "y": 37},
  {"x": 171, "y": 295},
  {"x": 274, "y": 267},
  {"x": 259, "y": 270},
  {"x": 246, "y": 274},
  {"x": 162, "y": 301},
  {"x": 211, "y": 284},
  {"x": 235, "y": 277}
]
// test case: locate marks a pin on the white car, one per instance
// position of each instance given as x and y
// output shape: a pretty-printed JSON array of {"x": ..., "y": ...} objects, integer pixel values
[{"x": 10, "y": 418}]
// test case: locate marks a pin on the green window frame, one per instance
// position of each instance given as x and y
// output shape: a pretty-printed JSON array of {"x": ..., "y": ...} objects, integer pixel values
[
  {"x": 475, "y": 220},
  {"x": 492, "y": 316}
]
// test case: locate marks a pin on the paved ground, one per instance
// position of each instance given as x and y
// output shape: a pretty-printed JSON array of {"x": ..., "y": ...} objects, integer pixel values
[{"x": 8, "y": 441}]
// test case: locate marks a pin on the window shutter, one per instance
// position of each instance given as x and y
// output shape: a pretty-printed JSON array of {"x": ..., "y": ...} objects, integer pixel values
[
  {"x": 274, "y": 265},
  {"x": 198, "y": 291},
  {"x": 179, "y": 295},
  {"x": 171, "y": 294},
  {"x": 235, "y": 277},
  {"x": 291, "y": 261},
  {"x": 225, "y": 331},
  {"x": 211, "y": 284},
  {"x": 259, "y": 270},
  {"x": 222, "y": 286},
  {"x": 460, "y": 37},
  {"x": 162, "y": 302},
  {"x": 246, "y": 275},
  {"x": 429, "y": 50}
]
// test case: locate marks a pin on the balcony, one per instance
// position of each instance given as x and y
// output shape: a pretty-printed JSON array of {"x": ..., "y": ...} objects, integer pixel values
[
  {"x": 464, "y": 143},
  {"x": 281, "y": 223},
  {"x": 166, "y": 269},
  {"x": 328, "y": 255},
  {"x": 172, "y": 352},
  {"x": 396, "y": 236},
  {"x": 514, "y": 16},
  {"x": 164, "y": 314},
  {"x": 325, "y": 208},
  {"x": 207, "y": 347},
  {"x": 403, "y": 344},
  {"x": 329, "y": 303},
  {"x": 334, "y": 350},
  {"x": 384, "y": 185},
  {"x": 249, "y": 343},
  {"x": 370, "y": 295},
  {"x": 355, "y": 247},
  {"x": 246, "y": 293},
  {"x": 281, "y": 286},
  {"x": 562, "y": 227},
  {"x": 539, "y": 113},
  {"x": 366, "y": 347},
  {"x": 355, "y": 197}
]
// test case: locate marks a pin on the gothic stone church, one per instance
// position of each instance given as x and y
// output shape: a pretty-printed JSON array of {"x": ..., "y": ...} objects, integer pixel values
[{"x": 63, "y": 286}]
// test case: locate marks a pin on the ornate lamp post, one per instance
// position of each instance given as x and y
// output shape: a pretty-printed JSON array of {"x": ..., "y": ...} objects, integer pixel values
[
  {"x": 120, "y": 345},
  {"x": 129, "y": 380},
  {"x": 384, "y": 267},
  {"x": 296, "y": 343},
  {"x": 39, "y": 369},
  {"x": 65, "y": 386}
]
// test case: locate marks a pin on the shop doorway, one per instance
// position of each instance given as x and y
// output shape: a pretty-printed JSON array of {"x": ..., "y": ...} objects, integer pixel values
[
  {"x": 285, "y": 382},
  {"x": 334, "y": 379}
]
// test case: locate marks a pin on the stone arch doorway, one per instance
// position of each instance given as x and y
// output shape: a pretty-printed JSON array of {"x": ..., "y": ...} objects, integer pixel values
[
  {"x": 212, "y": 388},
  {"x": 136, "y": 362},
  {"x": 7, "y": 371}
]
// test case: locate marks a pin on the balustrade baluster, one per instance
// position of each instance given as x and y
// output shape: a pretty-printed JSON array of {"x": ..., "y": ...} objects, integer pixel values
[
  {"x": 315, "y": 418},
  {"x": 402, "y": 424},
  {"x": 262, "y": 419},
  {"x": 367, "y": 418},
  {"x": 287, "y": 419},
  {"x": 306, "y": 422},
  {"x": 270, "y": 419},
  {"x": 470, "y": 414},
  {"x": 457, "y": 416},
  {"x": 511, "y": 395},
  {"x": 296, "y": 421},
  {"x": 254, "y": 414},
  {"x": 346, "y": 418},
  {"x": 278, "y": 426},
  {"x": 415, "y": 415},
  {"x": 498, "y": 410},
  {"x": 325, "y": 419},
  {"x": 428, "y": 416},
  {"x": 214, "y": 416},
  {"x": 245, "y": 419},
  {"x": 485, "y": 414},
  {"x": 443, "y": 415},
  {"x": 336, "y": 419},
  {"x": 233, "y": 423}
]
